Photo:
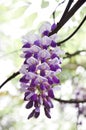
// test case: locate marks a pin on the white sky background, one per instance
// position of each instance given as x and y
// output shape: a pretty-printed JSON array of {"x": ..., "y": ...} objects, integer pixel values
[{"x": 13, "y": 27}]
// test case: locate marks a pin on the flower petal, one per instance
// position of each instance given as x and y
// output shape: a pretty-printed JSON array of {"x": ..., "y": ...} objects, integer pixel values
[
  {"x": 31, "y": 114},
  {"x": 55, "y": 80},
  {"x": 50, "y": 93},
  {"x": 45, "y": 27},
  {"x": 29, "y": 104},
  {"x": 47, "y": 112},
  {"x": 34, "y": 97}
]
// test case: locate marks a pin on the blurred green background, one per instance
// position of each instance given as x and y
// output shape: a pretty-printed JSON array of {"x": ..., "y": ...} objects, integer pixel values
[{"x": 18, "y": 17}]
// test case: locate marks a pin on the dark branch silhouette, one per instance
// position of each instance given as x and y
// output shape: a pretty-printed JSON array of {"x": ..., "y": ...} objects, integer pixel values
[
  {"x": 10, "y": 78},
  {"x": 71, "y": 101},
  {"x": 70, "y": 13},
  {"x": 68, "y": 55},
  {"x": 66, "y": 9},
  {"x": 70, "y": 36}
]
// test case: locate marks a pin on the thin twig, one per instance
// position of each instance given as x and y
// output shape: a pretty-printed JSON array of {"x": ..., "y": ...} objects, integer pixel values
[
  {"x": 73, "y": 54},
  {"x": 56, "y": 8},
  {"x": 71, "y": 35},
  {"x": 10, "y": 78},
  {"x": 71, "y": 101}
]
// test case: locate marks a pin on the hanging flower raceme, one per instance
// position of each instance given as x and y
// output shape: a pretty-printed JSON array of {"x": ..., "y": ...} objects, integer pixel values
[{"x": 42, "y": 63}]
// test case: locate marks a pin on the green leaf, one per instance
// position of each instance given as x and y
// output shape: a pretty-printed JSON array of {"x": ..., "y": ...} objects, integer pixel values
[
  {"x": 29, "y": 20},
  {"x": 44, "y": 4},
  {"x": 3, "y": 11},
  {"x": 19, "y": 12}
]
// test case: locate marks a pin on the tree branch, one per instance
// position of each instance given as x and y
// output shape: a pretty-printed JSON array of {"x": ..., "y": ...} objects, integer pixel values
[
  {"x": 71, "y": 101},
  {"x": 71, "y": 35},
  {"x": 73, "y": 54},
  {"x": 66, "y": 9},
  {"x": 71, "y": 12},
  {"x": 10, "y": 78}
]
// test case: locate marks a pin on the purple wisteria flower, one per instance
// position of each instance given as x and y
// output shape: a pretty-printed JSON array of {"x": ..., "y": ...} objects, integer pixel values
[{"x": 40, "y": 67}]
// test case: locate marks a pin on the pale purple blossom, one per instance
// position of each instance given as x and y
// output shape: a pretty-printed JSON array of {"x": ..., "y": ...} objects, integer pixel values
[
  {"x": 46, "y": 41},
  {"x": 45, "y": 28},
  {"x": 30, "y": 38},
  {"x": 54, "y": 37},
  {"x": 44, "y": 55}
]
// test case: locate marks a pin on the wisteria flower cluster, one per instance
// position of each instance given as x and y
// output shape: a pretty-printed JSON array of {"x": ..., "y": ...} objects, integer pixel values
[
  {"x": 40, "y": 68},
  {"x": 80, "y": 94}
]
